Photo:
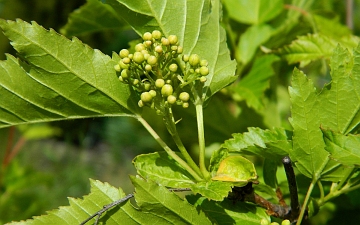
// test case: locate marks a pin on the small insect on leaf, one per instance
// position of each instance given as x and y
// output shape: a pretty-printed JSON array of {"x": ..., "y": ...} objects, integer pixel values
[{"x": 236, "y": 169}]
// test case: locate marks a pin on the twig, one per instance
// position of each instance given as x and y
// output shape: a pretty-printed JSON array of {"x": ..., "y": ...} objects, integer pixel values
[
  {"x": 118, "y": 202},
  {"x": 294, "y": 200}
]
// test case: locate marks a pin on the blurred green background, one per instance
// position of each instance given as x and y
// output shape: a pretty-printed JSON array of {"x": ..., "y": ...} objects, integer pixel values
[{"x": 43, "y": 164}]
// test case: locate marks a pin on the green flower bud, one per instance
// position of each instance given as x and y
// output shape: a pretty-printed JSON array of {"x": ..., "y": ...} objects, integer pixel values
[
  {"x": 124, "y": 53},
  {"x": 159, "y": 83},
  {"x": 148, "y": 67},
  {"x": 185, "y": 58},
  {"x": 125, "y": 74},
  {"x": 167, "y": 90},
  {"x": 153, "y": 93},
  {"x": 126, "y": 60},
  {"x": 285, "y": 222},
  {"x": 148, "y": 43},
  {"x": 138, "y": 57},
  {"x": 264, "y": 222},
  {"x": 168, "y": 81},
  {"x": 165, "y": 41},
  {"x": 171, "y": 99},
  {"x": 174, "y": 48},
  {"x": 173, "y": 39},
  {"x": 179, "y": 49},
  {"x": 121, "y": 79},
  {"x": 123, "y": 65},
  {"x": 152, "y": 60},
  {"x": 185, "y": 105},
  {"x": 140, "y": 103},
  {"x": 135, "y": 82},
  {"x": 117, "y": 68},
  {"x": 131, "y": 56},
  {"x": 139, "y": 47},
  {"x": 146, "y": 56},
  {"x": 204, "y": 70},
  {"x": 202, "y": 79},
  {"x": 158, "y": 49},
  {"x": 194, "y": 59},
  {"x": 204, "y": 62},
  {"x": 197, "y": 70},
  {"x": 173, "y": 67},
  {"x": 184, "y": 96},
  {"x": 146, "y": 97},
  {"x": 147, "y": 36},
  {"x": 156, "y": 34},
  {"x": 274, "y": 223},
  {"x": 147, "y": 85}
]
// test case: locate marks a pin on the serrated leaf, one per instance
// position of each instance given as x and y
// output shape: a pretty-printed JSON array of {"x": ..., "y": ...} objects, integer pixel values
[
  {"x": 162, "y": 169},
  {"x": 60, "y": 79},
  {"x": 336, "y": 107},
  {"x": 339, "y": 100},
  {"x": 214, "y": 190},
  {"x": 255, "y": 11},
  {"x": 308, "y": 146},
  {"x": 80, "y": 209},
  {"x": 343, "y": 149},
  {"x": 308, "y": 48},
  {"x": 252, "y": 86},
  {"x": 198, "y": 21},
  {"x": 271, "y": 144},
  {"x": 158, "y": 201},
  {"x": 230, "y": 212},
  {"x": 91, "y": 17}
]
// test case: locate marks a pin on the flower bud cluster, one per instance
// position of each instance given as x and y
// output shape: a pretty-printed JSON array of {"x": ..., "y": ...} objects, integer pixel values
[
  {"x": 265, "y": 222},
  {"x": 156, "y": 71}
]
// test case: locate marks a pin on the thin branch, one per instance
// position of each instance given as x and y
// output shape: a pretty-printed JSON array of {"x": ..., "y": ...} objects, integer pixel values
[
  {"x": 118, "y": 202},
  {"x": 294, "y": 200}
]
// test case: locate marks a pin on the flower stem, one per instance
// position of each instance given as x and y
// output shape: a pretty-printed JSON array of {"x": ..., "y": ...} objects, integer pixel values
[
  {"x": 306, "y": 201},
  {"x": 170, "y": 152},
  {"x": 171, "y": 127},
  {"x": 200, "y": 125}
]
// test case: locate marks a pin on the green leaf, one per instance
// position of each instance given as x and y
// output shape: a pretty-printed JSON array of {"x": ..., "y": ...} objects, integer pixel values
[
  {"x": 228, "y": 212},
  {"x": 237, "y": 170},
  {"x": 270, "y": 144},
  {"x": 308, "y": 48},
  {"x": 336, "y": 107},
  {"x": 252, "y": 86},
  {"x": 340, "y": 99},
  {"x": 255, "y": 11},
  {"x": 60, "y": 79},
  {"x": 269, "y": 172},
  {"x": 308, "y": 147},
  {"x": 343, "y": 149},
  {"x": 91, "y": 17},
  {"x": 214, "y": 190},
  {"x": 197, "y": 25},
  {"x": 80, "y": 209},
  {"x": 250, "y": 41},
  {"x": 167, "y": 206},
  {"x": 162, "y": 169}
]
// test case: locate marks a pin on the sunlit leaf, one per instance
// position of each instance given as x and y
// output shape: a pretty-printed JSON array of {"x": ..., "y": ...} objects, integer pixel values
[
  {"x": 343, "y": 149},
  {"x": 167, "y": 206},
  {"x": 198, "y": 21},
  {"x": 214, "y": 190},
  {"x": 58, "y": 79},
  {"x": 228, "y": 212},
  {"x": 161, "y": 168}
]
